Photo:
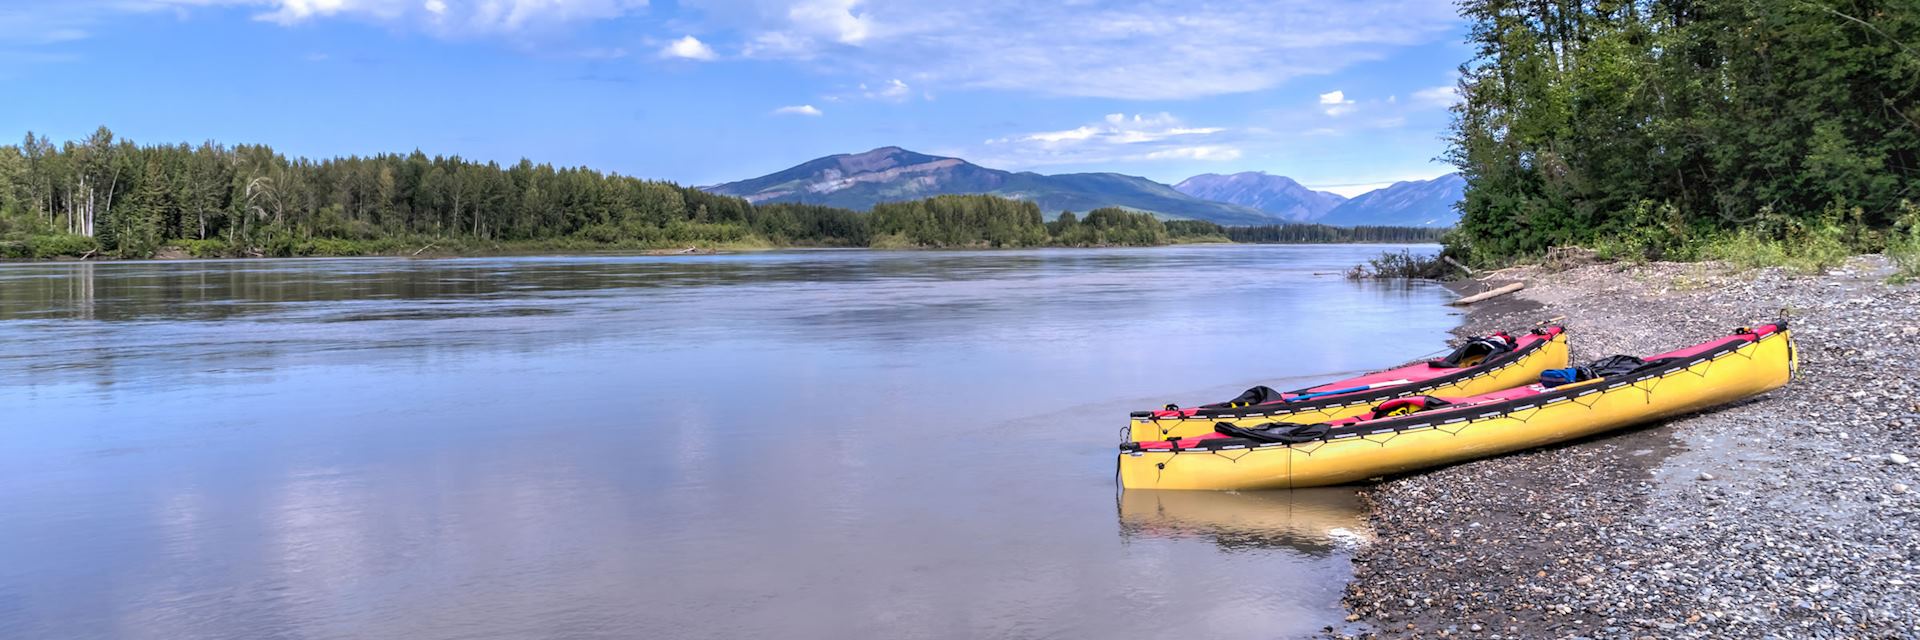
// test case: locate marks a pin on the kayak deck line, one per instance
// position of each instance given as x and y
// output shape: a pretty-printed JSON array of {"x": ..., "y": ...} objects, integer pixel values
[{"x": 1538, "y": 350}]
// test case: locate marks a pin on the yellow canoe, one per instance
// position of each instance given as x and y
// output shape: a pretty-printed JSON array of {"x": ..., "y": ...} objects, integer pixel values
[
  {"x": 1747, "y": 363},
  {"x": 1539, "y": 350}
]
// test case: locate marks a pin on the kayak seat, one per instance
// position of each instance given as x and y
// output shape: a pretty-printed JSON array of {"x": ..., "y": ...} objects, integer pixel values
[
  {"x": 1407, "y": 406},
  {"x": 1475, "y": 351}
]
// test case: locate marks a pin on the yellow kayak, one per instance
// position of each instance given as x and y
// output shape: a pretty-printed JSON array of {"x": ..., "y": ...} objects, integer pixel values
[
  {"x": 1412, "y": 433},
  {"x": 1481, "y": 365}
]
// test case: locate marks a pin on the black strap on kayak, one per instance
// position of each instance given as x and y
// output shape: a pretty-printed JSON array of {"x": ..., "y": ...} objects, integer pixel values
[
  {"x": 1257, "y": 395},
  {"x": 1285, "y": 432}
]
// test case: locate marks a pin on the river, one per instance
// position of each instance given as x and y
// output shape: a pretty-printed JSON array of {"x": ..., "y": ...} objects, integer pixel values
[{"x": 799, "y": 444}]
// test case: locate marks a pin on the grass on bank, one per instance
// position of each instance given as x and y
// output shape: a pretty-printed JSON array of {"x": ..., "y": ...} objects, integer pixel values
[{"x": 1770, "y": 240}]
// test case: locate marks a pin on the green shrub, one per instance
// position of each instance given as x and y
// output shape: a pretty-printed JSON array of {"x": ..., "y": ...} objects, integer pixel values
[
  {"x": 1803, "y": 247},
  {"x": 1391, "y": 265},
  {"x": 1903, "y": 245},
  {"x": 890, "y": 241},
  {"x": 59, "y": 245},
  {"x": 208, "y": 248}
]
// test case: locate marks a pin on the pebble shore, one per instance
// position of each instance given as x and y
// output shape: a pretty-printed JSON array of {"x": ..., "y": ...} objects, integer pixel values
[{"x": 1795, "y": 514}]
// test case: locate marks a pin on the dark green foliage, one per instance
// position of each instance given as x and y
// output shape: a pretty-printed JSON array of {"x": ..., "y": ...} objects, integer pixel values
[
  {"x": 959, "y": 221},
  {"x": 132, "y": 199},
  {"x": 1323, "y": 234},
  {"x": 1110, "y": 226},
  {"x": 1663, "y": 125},
  {"x": 108, "y": 196},
  {"x": 1195, "y": 229}
]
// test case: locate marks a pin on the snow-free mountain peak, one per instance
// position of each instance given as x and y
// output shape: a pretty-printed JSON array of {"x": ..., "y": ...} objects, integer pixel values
[
  {"x": 1412, "y": 203},
  {"x": 887, "y": 174},
  {"x": 1280, "y": 196}
]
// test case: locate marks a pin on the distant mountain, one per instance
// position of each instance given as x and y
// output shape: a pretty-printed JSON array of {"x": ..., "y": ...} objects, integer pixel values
[
  {"x": 861, "y": 180},
  {"x": 1277, "y": 195},
  {"x": 1417, "y": 203}
]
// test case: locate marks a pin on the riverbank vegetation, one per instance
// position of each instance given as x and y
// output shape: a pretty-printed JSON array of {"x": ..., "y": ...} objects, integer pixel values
[
  {"x": 1770, "y": 132},
  {"x": 1393, "y": 265},
  {"x": 107, "y": 196}
]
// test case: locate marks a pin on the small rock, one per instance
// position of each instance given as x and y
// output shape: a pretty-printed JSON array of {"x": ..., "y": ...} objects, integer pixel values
[
  {"x": 1474, "y": 627},
  {"x": 1898, "y": 488},
  {"x": 1705, "y": 476},
  {"x": 1895, "y": 458}
]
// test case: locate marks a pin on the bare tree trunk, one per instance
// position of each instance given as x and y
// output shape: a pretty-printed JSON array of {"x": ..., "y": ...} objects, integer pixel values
[{"x": 107, "y": 209}]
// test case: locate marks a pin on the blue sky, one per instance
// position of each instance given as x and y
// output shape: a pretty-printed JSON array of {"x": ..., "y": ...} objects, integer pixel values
[{"x": 705, "y": 91}]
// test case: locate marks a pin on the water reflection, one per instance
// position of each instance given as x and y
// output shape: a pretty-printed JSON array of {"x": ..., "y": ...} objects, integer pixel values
[
  {"x": 794, "y": 444},
  {"x": 1313, "y": 521}
]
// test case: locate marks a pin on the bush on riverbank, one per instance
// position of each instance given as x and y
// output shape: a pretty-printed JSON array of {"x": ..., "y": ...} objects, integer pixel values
[
  {"x": 1903, "y": 247},
  {"x": 47, "y": 247},
  {"x": 1401, "y": 265}
]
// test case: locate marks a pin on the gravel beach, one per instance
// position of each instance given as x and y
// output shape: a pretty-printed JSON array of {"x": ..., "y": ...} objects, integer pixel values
[{"x": 1792, "y": 515}]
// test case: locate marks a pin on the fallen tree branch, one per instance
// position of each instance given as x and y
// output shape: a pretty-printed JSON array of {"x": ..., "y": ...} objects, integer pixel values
[
  {"x": 1457, "y": 264},
  {"x": 1490, "y": 294}
]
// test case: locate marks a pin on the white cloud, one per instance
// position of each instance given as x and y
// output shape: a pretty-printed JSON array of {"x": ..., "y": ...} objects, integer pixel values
[
  {"x": 1125, "y": 49},
  {"x": 893, "y": 90},
  {"x": 797, "y": 110},
  {"x": 1336, "y": 103},
  {"x": 689, "y": 48},
  {"x": 447, "y": 18},
  {"x": 1118, "y": 137},
  {"x": 840, "y": 20},
  {"x": 1210, "y": 153},
  {"x": 1118, "y": 128},
  {"x": 1356, "y": 188},
  {"x": 1444, "y": 96}
]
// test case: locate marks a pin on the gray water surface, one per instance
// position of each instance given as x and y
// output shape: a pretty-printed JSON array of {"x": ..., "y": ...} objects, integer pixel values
[{"x": 808, "y": 444}]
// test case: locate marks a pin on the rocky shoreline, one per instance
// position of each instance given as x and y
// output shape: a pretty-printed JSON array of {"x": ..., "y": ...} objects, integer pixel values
[{"x": 1794, "y": 514}]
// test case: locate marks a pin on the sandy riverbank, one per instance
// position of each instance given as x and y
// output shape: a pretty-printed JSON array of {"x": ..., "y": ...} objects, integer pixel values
[{"x": 1791, "y": 515}]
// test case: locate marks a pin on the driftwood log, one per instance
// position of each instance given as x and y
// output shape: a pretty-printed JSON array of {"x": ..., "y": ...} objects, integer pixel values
[{"x": 1489, "y": 294}]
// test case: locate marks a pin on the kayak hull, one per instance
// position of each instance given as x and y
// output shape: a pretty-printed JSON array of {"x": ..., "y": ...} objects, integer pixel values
[
  {"x": 1522, "y": 370},
  {"x": 1416, "y": 442}
]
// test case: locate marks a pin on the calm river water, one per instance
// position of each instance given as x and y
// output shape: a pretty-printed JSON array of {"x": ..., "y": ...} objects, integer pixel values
[{"x": 809, "y": 444}]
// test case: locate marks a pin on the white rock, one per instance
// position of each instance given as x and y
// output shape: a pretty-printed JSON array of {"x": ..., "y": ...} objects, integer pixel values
[
  {"x": 1895, "y": 458},
  {"x": 1706, "y": 476},
  {"x": 1898, "y": 488}
]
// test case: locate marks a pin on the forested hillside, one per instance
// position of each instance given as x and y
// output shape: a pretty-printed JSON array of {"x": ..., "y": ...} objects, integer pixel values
[
  {"x": 1672, "y": 127},
  {"x": 109, "y": 196}
]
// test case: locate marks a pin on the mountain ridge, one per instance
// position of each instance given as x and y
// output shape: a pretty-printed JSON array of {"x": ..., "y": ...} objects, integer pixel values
[
  {"x": 1408, "y": 203},
  {"x": 1278, "y": 195},
  {"x": 888, "y": 174}
]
